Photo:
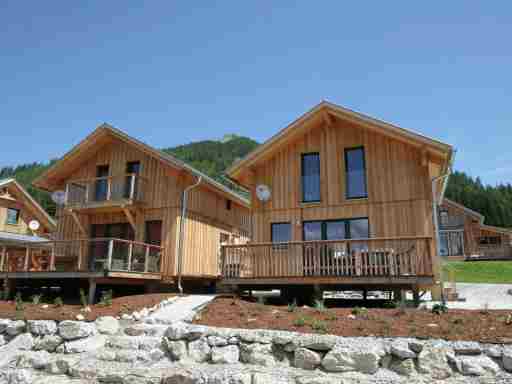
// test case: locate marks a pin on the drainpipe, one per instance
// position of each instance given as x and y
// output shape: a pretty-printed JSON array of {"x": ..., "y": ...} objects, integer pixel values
[
  {"x": 435, "y": 213},
  {"x": 184, "y": 201}
]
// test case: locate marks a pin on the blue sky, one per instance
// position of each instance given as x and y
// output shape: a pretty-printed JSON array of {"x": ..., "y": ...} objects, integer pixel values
[{"x": 172, "y": 72}]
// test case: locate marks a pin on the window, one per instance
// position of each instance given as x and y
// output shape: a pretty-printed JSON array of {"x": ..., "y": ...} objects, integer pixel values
[
  {"x": 154, "y": 232},
  {"x": 280, "y": 233},
  {"x": 444, "y": 217},
  {"x": 310, "y": 177},
  {"x": 336, "y": 229},
  {"x": 490, "y": 240},
  {"x": 228, "y": 205},
  {"x": 13, "y": 216},
  {"x": 355, "y": 167}
]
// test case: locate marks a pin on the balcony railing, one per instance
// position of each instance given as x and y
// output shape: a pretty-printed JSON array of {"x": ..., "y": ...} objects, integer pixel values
[
  {"x": 376, "y": 257},
  {"x": 451, "y": 222},
  {"x": 84, "y": 255},
  {"x": 124, "y": 188}
]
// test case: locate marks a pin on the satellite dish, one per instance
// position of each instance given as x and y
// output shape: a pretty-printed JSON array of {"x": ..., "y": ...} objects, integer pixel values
[
  {"x": 263, "y": 192},
  {"x": 34, "y": 225},
  {"x": 59, "y": 197}
]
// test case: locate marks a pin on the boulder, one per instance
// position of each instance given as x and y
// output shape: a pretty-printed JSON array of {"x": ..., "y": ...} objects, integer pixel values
[
  {"x": 4, "y": 323},
  {"x": 199, "y": 350},
  {"x": 415, "y": 346},
  {"x": 123, "y": 342},
  {"x": 72, "y": 330},
  {"x": 317, "y": 379},
  {"x": 107, "y": 325},
  {"x": 306, "y": 359},
  {"x": 126, "y": 356},
  {"x": 495, "y": 351},
  {"x": 20, "y": 376},
  {"x": 266, "y": 378},
  {"x": 354, "y": 355},
  {"x": 258, "y": 354},
  {"x": 466, "y": 347},
  {"x": 433, "y": 361},
  {"x": 184, "y": 376},
  {"x": 225, "y": 355},
  {"x": 60, "y": 365},
  {"x": 401, "y": 350},
  {"x": 318, "y": 342},
  {"x": 15, "y": 328},
  {"x": 176, "y": 331},
  {"x": 3, "y": 340},
  {"x": 134, "y": 330},
  {"x": 217, "y": 341},
  {"x": 177, "y": 349},
  {"x": 507, "y": 359},
  {"x": 403, "y": 367},
  {"x": 229, "y": 377},
  {"x": 149, "y": 343},
  {"x": 156, "y": 354},
  {"x": 35, "y": 360},
  {"x": 9, "y": 353},
  {"x": 47, "y": 343},
  {"x": 85, "y": 345},
  {"x": 42, "y": 327},
  {"x": 474, "y": 365}
]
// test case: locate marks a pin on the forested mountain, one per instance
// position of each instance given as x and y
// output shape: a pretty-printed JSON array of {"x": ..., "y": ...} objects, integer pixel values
[
  {"x": 213, "y": 157},
  {"x": 495, "y": 203}
]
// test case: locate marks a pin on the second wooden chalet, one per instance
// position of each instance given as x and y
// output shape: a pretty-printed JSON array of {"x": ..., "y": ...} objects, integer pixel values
[
  {"x": 464, "y": 235},
  {"x": 120, "y": 218},
  {"x": 341, "y": 200}
]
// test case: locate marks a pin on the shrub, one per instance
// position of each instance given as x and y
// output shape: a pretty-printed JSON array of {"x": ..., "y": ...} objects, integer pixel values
[
  {"x": 58, "y": 301},
  {"x": 36, "y": 299},
  {"x": 390, "y": 304},
  {"x": 332, "y": 316},
  {"x": 20, "y": 307},
  {"x": 360, "y": 312},
  {"x": 292, "y": 307},
  {"x": 319, "y": 325},
  {"x": 439, "y": 309},
  {"x": 106, "y": 298},
  {"x": 299, "y": 322},
  {"x": 320, "y": 306},
  {"x": 508, "y": 320},
  {"x": 83, "y": 298}
]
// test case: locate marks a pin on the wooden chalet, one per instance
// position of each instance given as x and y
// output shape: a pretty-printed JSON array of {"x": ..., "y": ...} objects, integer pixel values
[
  {"x": 19, "y": 244},
  {"x": 350, "y": 206},
  {"x": 464, "y": 236},
  {"x": 120, "y": 221}
]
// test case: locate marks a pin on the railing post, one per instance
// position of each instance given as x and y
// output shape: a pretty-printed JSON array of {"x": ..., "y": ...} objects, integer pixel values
[
  {"x": 79, "y": 265},
  {"x": 27, "y": 254},
  {"x": 2, "y": 262},
  {"x": 146, "y": 260},
  {"x": 222, "y": 257},
  {"x": 130, "y": 253},
  {"x": 52, "y": 257},
  {"x": 109, "y": 188},
  {"x": 110, "y": 252},
  {"x": 87, "y": 192},
  {"x": 66, "y": 195},
  {"x": 132, "y": 187}
]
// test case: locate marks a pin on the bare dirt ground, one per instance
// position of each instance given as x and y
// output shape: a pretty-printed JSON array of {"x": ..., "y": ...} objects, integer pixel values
[
  {"x": 457, "y": 324},
  {"x": 120, "y": 305}
]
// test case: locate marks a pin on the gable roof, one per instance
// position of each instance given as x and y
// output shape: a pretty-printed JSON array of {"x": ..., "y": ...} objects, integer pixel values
[
  {"x": 38, "y": 211},
  {"x": 325, "y": 108},
  {"x": 469, "y": 211},
  {"x": 104, "y": 132}
]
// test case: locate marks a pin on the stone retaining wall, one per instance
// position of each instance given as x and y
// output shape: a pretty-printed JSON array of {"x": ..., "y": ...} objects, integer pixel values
[{"x": 113, "y": 351}]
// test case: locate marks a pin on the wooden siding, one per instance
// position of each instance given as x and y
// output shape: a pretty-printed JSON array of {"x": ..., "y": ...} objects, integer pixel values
[
  {"x": 398, "y": 182},
  {"x": 206, "y": 210}
]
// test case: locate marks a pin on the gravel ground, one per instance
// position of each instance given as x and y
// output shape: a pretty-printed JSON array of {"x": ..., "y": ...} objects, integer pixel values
[{"x": 481, "y": 296}]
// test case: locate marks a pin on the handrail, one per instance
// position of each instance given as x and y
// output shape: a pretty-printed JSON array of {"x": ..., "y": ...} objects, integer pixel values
[
  {"x": 371, "y": 239},
  {"x": 94, "y": 239},
  {"x": 107, "y": 178}
]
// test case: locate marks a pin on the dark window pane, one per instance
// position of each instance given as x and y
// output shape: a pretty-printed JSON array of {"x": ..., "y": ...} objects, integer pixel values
[
  {"x": 359, "y": 229},
  {"x": 335, "y": 230},
  {"x": 13, "y": 216},
  {"x": 311, "y": 177},
  {"x": 313, "y": 230},
  {"x": 355, "y": 173},
  {"x": 281, "y": 232}
]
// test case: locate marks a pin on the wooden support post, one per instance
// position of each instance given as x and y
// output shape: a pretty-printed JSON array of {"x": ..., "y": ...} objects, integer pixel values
[
  {"x": 87, "y": 192},
  {"x": 130, "y": 218},
  {"x": 2, "y": 261},
  {"x": 146, "y": 260},
  {"x": 130, "y": 254},
  {"x": 52, "y": 257},
  {"x": 109, "y": 188},
  {"x": 79, "y": 264},
  {"x": 27, "y": 255},
  {"x": 92, "y": 290},
  {"x": 132, "y": 187},
  {"x": 77, "y": 222},
  {"x": 66, "y": 195},
  {"x": 110, "y": 252}
]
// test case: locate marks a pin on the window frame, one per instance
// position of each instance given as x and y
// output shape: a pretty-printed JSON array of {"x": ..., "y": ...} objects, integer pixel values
[
  {"x": 346, "y": 151},
  {"x": 18, "y": 215},
  {"x": 302, "y": 156},
  {"x": 346, "y": 222},
  {"x": 280, "y": 245}
]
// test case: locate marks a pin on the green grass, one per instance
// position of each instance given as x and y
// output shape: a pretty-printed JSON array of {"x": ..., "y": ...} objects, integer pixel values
[{"x": 480, "y": 271}]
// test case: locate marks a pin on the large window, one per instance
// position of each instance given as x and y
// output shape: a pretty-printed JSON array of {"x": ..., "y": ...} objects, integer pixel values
[
  {"x": 310, "y": 177},
  {"x": 336, "y": 229},
  {"x": 355, "y": 168},
  {"x": 13, "y": 216}
]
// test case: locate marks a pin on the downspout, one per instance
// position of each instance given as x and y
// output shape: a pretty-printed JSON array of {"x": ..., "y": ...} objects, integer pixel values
[
  {"x": 184, "y": 201},
  {"x": 434, "y": 209}
]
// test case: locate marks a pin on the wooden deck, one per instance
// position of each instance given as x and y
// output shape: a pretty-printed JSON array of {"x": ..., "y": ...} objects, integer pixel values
[
  {"x": 376, "y": 261},
  {"x": 87, "y": 257}
]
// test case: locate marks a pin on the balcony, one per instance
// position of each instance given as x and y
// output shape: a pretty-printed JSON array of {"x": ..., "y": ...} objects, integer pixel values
[
  {"x": 102, "y": 255},
  {"x": 106, "y": 191},
  {"x": 335, "y": 260},
  {"x": 451, "y": 222}
]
